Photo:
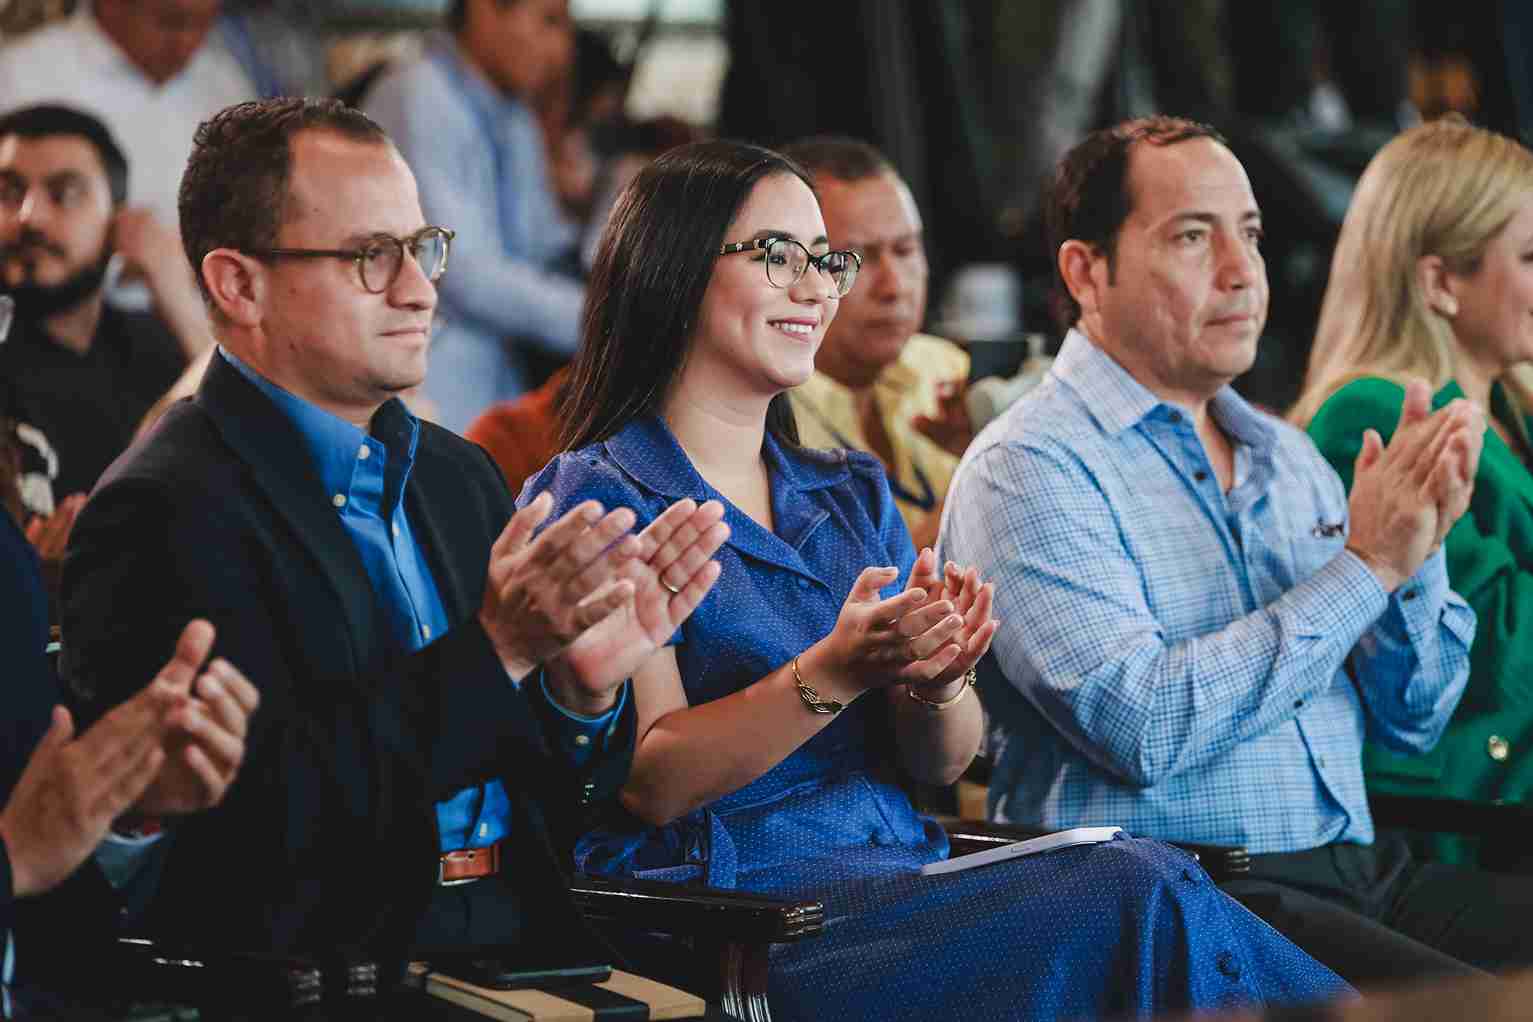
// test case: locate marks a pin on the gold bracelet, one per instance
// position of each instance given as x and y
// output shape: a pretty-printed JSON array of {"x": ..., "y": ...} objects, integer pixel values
[
  {"x": 969, "y": 678},
  {"x": 812, "y": 698}
]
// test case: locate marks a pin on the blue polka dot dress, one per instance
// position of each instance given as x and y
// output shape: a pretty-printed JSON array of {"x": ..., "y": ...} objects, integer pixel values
[{"x": 1127, "y": 927}]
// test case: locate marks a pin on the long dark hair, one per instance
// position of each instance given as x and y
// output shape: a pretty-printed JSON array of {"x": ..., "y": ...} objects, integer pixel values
[{"x": 652, "y": 270}]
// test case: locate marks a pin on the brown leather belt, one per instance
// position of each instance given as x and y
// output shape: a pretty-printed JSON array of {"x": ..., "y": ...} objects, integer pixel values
[{"x": 467, "y": 865}]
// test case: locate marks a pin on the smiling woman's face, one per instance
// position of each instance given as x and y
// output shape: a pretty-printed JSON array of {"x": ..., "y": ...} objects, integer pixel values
[{"x": 753, "y": 338}]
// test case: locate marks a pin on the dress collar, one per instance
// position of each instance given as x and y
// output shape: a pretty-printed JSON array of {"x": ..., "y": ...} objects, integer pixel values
[{"x": 648, "y": 451}]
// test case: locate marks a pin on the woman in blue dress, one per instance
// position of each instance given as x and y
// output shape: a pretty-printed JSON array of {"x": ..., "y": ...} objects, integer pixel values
[{"x": 829, "y": 654}]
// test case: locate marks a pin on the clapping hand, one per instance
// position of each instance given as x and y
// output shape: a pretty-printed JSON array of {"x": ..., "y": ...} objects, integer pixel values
[
  {"x": 185, "y": 746},
  {"x": 878, "y": 642},
  {"x": 205, "y": 731},
  {"x": 1405, "y": 497},
  {"x": 973, "y": 600},
  {"x": 542, "y": 593},
  {"x": 50, "y": 535},
  {"x": 671, "y": 573}
]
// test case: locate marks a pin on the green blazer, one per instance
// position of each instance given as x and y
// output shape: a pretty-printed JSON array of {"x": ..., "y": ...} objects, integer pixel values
[{"x": 1486, "y": 753}]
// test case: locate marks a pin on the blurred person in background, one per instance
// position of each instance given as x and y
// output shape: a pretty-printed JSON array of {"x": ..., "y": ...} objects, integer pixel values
[
  {"x": 464, "y": 115},
  {"x": 77, "y": 372},
  {"x": 146, "y": 68},
  {"x": 1433, "y": 280},
  {"x": 879, "y": 385}
]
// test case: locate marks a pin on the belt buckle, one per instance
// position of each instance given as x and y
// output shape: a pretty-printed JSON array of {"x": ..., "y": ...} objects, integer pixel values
[{"x": 440, "y": 882}]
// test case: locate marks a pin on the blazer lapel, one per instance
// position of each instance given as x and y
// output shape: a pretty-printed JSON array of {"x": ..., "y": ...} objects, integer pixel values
[
  {"x": 457, "y": 568},
  {"x": 270, "y": 446}
]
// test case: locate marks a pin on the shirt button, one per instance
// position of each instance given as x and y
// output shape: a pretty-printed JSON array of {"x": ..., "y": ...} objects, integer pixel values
[
  {"x": 1410, "y": 594},
  {"x": 396, "y": 530},
  {"x": 425, "y": 631},
  {"x": 339, "y": 500},
  {"x": 1498, "y": 748},
  {"x": 364, "y": 452},
  {"x": 582, "y": 739},
  {"x": 1200, "y": 475},
  {"x": 1320, "y": 761},
  {"x": 1298, "y": 704}
]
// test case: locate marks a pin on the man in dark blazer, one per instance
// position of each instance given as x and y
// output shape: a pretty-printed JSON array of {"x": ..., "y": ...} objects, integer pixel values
[{"x": 439, "y": 705}]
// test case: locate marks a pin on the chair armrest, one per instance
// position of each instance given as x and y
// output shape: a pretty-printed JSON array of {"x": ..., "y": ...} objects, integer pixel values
[
  {"x": 147, "y": 970},
  {"x": 1499, "y": 820},
  {"x": 705, "y": 912},
  {"x": 1222, "y": 862}
]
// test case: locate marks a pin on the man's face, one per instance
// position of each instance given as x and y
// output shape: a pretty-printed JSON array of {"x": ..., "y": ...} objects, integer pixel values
[
  {"x": 527, "y": 44},
  {"x": 1185, "y": 302},
  {"x": 876, "y": 217},
  {"x": 160, "y": 36},
  {"x": 328, "y": 339},
  {"x": 55, "y": 221}
]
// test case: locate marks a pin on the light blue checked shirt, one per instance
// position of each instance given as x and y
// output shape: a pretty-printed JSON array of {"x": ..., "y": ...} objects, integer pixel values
[{"x": 1187, "y": 663}]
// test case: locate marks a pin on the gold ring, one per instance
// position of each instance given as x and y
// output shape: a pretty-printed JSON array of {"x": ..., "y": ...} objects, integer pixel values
[{"x": 674, "y": 590}]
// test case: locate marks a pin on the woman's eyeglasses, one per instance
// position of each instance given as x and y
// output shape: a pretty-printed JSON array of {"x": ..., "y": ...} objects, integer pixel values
[
  {"x": 787, "y": 261},
  {"x": 381, "y": 258}
]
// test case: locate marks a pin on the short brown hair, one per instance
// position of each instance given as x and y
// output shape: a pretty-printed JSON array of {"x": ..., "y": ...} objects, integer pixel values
[
  {"x": 234, "y": 190},
  {"x": 838, "y": 156},
  {"x": 1089, "y": 197}
]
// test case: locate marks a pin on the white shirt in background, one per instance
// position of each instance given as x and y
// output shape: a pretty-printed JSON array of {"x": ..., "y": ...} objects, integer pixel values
[{"x": 74, "y": 63}]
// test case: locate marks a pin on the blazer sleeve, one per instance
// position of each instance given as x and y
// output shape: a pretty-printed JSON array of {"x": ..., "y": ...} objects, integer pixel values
[{"x": 143, "y": 561}]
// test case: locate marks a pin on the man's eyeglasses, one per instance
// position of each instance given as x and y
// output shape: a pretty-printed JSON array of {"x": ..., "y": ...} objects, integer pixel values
[
  {"x": 787, "y": 261},
  {"x": 381, "y": 258}
]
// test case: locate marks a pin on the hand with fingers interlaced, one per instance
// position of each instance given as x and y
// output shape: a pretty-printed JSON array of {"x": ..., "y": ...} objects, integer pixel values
[{"x": 669, "y": 576}]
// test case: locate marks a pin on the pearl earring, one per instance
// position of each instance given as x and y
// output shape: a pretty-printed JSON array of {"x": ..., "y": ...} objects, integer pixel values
[{"x": 1449, "y": 306}]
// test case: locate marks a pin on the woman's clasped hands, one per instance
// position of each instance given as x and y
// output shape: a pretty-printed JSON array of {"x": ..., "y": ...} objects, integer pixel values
[{"x": 929, "y": 636}]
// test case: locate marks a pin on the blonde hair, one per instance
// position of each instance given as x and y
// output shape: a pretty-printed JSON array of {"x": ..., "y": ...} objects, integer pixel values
[{"x": 1445, "y": 188}]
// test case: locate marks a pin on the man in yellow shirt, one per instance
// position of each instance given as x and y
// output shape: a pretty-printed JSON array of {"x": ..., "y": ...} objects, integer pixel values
[{"x": 879, "y": 386}]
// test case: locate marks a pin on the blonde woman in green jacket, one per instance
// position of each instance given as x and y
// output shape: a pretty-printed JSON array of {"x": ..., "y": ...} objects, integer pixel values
[{"x": 1433, "y": 279}]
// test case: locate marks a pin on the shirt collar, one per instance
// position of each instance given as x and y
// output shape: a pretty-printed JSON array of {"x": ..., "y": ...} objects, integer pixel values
[
  {"x": 1118, "y": 401},
  {"x": 1109, "y": 392},
  {"x": 333, "y": 442}
]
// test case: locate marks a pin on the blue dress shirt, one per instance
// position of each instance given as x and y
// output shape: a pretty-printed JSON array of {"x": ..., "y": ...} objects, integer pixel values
[
  {"x": 478, "y": 156},
  {"x": 365, "y": 477},
  {"x": 1185, "y": 662}
]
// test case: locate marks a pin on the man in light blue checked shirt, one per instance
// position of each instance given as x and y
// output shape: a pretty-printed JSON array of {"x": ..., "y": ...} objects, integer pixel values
[{"x": 1198, "y": 627}]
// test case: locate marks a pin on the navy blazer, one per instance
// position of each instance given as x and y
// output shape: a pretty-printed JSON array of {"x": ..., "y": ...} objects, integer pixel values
[
  {"x": 29, "y": 691},
  {"x": 328, "y": 837}
]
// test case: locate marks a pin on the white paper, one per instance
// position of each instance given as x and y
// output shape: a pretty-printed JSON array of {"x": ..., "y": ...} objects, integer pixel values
[{"x": 1032, "y": 846}]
